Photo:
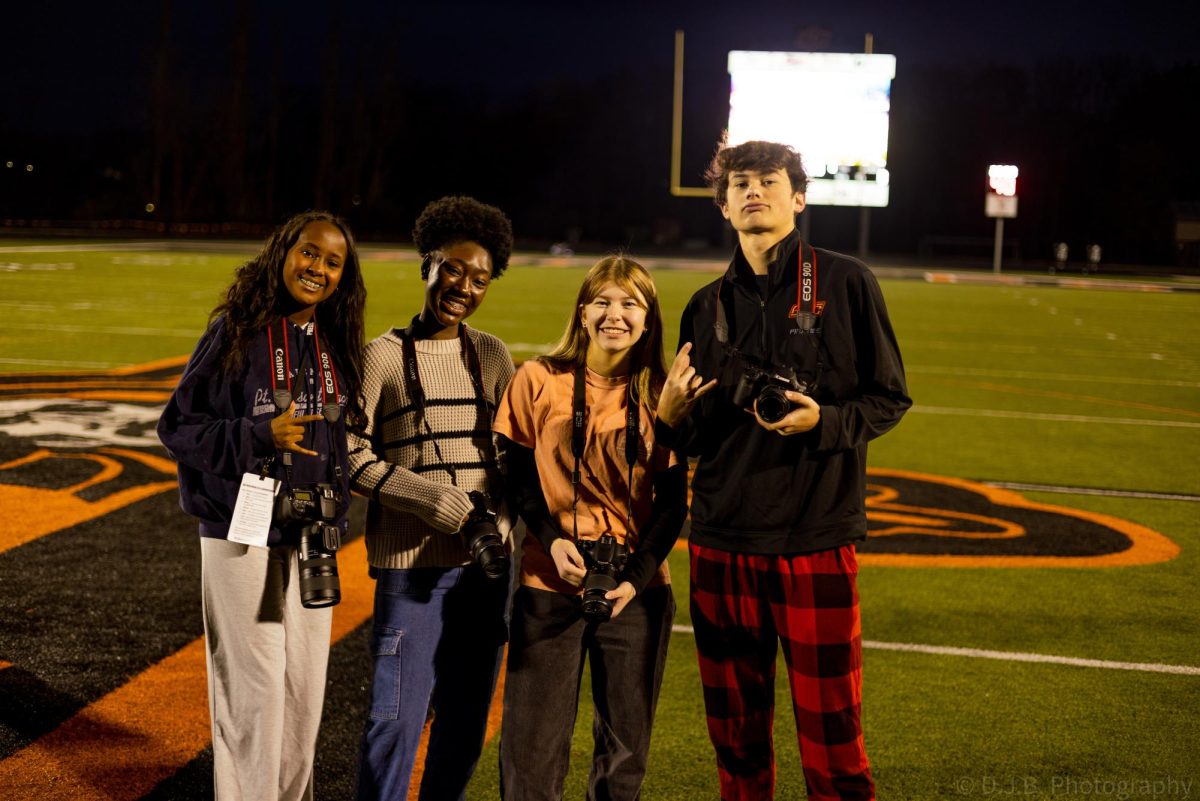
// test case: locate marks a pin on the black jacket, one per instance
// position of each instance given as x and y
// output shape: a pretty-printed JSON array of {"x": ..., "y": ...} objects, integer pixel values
[{"x": 755, "y": 491}]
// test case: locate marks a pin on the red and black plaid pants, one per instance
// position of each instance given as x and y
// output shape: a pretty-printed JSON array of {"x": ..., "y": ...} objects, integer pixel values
[{"x": 745, "y": 605}]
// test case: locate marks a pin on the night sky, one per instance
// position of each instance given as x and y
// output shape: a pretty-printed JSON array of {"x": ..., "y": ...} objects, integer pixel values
[{"x": 561, "y": 112}]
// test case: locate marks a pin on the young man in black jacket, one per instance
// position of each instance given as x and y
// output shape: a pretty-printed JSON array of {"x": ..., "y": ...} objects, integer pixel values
[{"x": 787, "y": 367}]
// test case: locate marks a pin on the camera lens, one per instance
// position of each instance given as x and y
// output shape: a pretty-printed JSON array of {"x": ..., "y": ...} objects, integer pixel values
[
  {"x": 487, "y": 549},
  {"x": 773, "y": 404},
  {"x": 319, "y": 586},
  {"x": 596, "y": 607},
  {"x": 491, "y": 556}
]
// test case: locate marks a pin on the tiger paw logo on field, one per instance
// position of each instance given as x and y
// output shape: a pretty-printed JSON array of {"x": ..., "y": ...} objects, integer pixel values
[
  {"x": 75, "y": 447},
  {"x": 916, "y": 519}
]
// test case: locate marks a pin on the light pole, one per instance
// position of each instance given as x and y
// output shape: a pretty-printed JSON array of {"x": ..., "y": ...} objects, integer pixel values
[{"x": 1001, "y": 203}]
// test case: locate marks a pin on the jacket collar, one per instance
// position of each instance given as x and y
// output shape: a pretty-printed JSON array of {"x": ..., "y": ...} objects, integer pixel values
[{"x": 740, "y": 272}]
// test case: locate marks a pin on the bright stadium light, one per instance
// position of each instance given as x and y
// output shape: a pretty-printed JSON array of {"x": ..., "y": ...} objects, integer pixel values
[{"x": 1002, "y": 178}]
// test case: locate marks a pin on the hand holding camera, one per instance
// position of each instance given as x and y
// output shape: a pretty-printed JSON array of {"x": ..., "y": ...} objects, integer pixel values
[
  {"x": 803, "y": 415},
  {"x": 604, "y": 557},
  {"x": 777, "y": 398}
]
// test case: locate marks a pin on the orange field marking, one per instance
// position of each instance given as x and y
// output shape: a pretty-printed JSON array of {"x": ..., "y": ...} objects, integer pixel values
[
  {"x": 157, "y": 364},
  {"x": 1148, "y": 546},
  {"x": 124, "y": 744},
  {"x": 33, "y": 512},
  {"x": 131, "y": 395},
  {"x": 162, "y": 383}
]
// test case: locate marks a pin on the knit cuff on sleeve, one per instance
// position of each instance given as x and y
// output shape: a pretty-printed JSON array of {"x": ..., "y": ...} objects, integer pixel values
[{"x": 449, "y": 510}]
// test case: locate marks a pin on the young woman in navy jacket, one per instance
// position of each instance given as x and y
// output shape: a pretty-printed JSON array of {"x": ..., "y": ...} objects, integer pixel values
[{"x": 263, "y": 407}]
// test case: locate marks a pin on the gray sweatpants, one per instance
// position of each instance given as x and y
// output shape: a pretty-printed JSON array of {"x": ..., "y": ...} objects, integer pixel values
[{"x": 266, "y": 658}]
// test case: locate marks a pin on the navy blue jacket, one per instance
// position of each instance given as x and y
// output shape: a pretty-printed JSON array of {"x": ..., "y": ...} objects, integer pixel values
[{"x": 217, "y": 427}]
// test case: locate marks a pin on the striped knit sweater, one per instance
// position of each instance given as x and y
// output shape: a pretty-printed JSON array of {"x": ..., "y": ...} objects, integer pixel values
[{"x": 401, "y": 463}]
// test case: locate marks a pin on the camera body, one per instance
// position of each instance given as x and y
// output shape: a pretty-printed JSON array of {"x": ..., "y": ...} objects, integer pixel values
[
  {"x": 315, "y": 506},
  {"x": 764, "y": 390},
  {"x": 482, "y": 537},
  {"x": 604, "y": 557}
]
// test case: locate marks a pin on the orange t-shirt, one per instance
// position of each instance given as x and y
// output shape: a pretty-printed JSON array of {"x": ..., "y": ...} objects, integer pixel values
[{"x": 536, "y": 413}]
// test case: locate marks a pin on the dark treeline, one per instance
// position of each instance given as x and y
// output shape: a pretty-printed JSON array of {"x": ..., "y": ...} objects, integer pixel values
[{"x": 239, "y": 134}]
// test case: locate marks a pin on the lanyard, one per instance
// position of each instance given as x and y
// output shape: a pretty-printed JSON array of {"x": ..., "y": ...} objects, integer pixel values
[
  {"x": 806, "y": 294},
  {"x": 281, "y": 390},
  {"x": 281, "y": 360},
  {"x": 578, "y": 439}
]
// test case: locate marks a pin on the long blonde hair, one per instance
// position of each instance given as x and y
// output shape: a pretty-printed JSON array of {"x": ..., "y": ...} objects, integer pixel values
[{"x": 648, "y": 370}]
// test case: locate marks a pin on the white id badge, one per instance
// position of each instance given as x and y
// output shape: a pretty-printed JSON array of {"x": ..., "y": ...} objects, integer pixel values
[{"x": 252, "y": 513}]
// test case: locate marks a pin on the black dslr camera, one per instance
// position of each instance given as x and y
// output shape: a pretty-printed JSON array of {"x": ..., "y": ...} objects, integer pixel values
[
  {"x": 604, "y": 558},
  {"x": 765, "y": 390},
  {"x": 316, "y": 507},
  {"x": 483, "y": 539}
]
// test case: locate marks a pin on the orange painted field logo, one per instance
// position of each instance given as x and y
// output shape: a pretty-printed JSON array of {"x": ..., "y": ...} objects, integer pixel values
[{"x": 921, "y": 520}]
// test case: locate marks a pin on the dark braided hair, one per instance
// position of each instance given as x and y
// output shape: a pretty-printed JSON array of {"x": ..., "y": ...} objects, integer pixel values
[
  {"x": 257, "y": 298},
  {"x": 463, "y": 219}
]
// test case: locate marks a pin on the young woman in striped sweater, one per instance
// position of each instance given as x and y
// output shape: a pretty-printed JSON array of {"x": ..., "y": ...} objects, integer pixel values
[{"x": 430, "y": 390}]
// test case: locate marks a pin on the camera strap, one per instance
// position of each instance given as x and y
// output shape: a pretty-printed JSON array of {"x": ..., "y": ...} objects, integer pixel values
[
  {"x": 281, "y": 361},
  {"x": 281, "y": 388},
  {"x": 578, "y": 440},
  {"x": 806, "y": 296},
  {"x": 412, "y": 376}
]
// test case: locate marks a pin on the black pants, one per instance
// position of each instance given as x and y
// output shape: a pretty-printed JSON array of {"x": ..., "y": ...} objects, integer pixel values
[{"x": 548, "y": 642}]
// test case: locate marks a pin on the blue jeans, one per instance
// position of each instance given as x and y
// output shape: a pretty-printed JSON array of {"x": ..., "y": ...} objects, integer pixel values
[{"x": 437, "y": 640}]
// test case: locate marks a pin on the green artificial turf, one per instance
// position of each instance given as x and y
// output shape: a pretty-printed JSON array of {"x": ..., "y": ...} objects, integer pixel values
[{"x": 1051, "y": 386}]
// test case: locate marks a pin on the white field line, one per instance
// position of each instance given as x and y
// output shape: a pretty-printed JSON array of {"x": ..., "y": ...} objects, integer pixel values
[
  {"x": 978, "y": 372},
  {"x": 89, "y": 248},
  {"x": 1107, "y": 493},
  {"x": 1011, "y": 656},
  {"x": 190, "y": 333},
  {"x": 1065, "y": 418}
]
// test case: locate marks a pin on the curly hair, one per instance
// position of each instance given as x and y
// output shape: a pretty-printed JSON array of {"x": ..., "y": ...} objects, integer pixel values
[
  {"x": 757, "y": 156},
  {"x": 455, "y": 219},
  {"x": 648, "y": 368},
  {"x": 257, "y": 297}
]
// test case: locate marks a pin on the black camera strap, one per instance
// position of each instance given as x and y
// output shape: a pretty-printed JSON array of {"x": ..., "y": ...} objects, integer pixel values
[
  {"x": 578, "y": 440},
  {"x": 412, "y": 376}
]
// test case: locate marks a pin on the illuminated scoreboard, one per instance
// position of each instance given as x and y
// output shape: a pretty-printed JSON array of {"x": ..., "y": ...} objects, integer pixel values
[{"x": 832, "y": 107}]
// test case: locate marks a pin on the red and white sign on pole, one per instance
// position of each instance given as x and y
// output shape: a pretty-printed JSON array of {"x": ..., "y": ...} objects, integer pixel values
[{"x": 1001, "y": 203}]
